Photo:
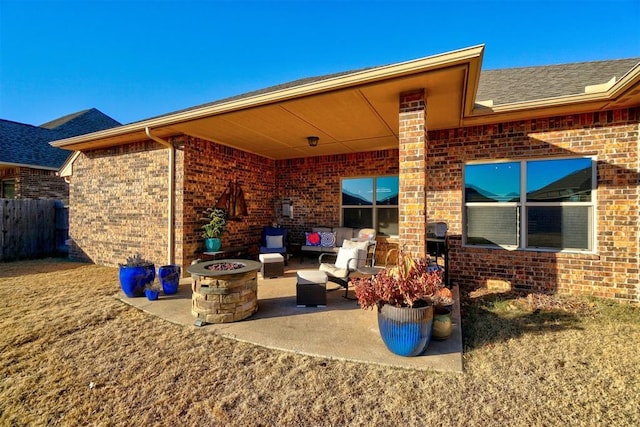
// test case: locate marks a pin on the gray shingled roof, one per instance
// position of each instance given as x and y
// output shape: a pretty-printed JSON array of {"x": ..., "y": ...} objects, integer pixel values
[
  {"x": 29, "y": 145},
  {"x": 548, "y": 81},
  {"x": 81, "y": 122}
]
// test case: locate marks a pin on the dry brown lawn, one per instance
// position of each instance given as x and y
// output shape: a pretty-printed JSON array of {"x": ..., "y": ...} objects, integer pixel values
[{"x": 71, "y": 354}]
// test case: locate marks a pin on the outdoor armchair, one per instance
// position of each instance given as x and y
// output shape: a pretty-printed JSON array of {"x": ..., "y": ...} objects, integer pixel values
[
  {"x": 274, "y": 241},
  {"x": 351, "y": 256}
]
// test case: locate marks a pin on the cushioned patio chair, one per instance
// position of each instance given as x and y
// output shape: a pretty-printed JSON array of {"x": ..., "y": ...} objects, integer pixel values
[
  {"x": 274, "y": 241},
  {"x": 350, "y": 257}
]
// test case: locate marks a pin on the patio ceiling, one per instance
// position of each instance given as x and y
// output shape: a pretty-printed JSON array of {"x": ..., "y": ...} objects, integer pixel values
[{"x": 362, "y": 118}]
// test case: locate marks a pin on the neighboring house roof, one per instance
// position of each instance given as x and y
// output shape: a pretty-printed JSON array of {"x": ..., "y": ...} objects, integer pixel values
[
  {"x": 510, "y": 85},
  {"x": 81, "y": 122},
  {"x": 23, "y": 144}
]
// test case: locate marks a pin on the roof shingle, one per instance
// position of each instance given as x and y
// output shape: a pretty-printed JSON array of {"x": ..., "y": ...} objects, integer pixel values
[
  {"x": 29, "y": 145},
  {"x": 511, "y": 85}
]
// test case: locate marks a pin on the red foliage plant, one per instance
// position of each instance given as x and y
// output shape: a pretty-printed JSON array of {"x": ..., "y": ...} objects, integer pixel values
[{"x": 411, "y": 283}]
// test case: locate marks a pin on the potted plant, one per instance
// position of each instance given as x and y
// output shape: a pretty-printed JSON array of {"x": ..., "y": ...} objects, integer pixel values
[
  {"x": 404, "y": 296},
  {"x": 135, "y": 274},
  {"x": 214, "y": 228},
  {"x": 442, "y": 308}
]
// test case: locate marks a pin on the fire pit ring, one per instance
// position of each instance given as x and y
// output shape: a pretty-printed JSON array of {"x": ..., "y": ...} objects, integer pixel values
[{"x": 226, "y": 295}]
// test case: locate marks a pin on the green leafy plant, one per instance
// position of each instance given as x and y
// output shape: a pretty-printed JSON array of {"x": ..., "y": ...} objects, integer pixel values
[
  {"x": 136, "y": 261},
  {"x": 217, "y": 223},
  {"x": 411, "y": 283}
]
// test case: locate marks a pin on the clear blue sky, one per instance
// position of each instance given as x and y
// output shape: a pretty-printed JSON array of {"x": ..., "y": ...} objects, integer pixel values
[{"x": 137, "y": 59}]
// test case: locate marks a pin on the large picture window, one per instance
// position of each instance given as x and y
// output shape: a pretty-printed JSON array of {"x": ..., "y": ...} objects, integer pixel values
[
  {"x": 532, "y": 204},
  {"x": 371, "y": 202}
]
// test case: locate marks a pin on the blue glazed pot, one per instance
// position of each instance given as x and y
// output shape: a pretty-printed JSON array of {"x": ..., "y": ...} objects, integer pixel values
[
  {"x": 169, "y": 276},
  {"x": 212, "y": 244},
  {"x": 406, "y": 331},
  {"x": 134, "y": 279},
  {"x": 151, "y": 294}
]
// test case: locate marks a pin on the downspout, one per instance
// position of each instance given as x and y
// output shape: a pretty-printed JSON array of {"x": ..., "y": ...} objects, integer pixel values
[{"x": 170, "y": 196}]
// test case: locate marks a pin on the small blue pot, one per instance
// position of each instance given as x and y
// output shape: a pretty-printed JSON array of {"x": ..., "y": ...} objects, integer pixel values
[
  {"x": 133, "y": 280},
  {"x": 151, "y": 294},
  {"x": 169, "y": 277}
]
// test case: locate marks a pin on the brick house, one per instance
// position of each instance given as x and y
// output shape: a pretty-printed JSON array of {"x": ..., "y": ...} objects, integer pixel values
[
  {"x": 535, "y": 170},
  {"x": 29, "y": 165}
]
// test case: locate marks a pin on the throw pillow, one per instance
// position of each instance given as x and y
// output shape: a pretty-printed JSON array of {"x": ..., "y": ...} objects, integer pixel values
[
  {"x": 274, "y": 242},
  {"x": 361, "y": 247},
  {"x": 347, "y": 255},
  {"x": 327, "y": 239},
  {"x": 312, "y": 238}
]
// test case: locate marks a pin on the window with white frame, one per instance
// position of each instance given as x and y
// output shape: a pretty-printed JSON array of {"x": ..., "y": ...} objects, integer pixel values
[
  {"x": 371, "y": 202},
  {"x": 545, "y": 204}
]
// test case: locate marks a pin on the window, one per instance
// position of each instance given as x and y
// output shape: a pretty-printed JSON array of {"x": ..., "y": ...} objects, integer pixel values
[
  {"x": 533, "y": 204},
  {"x": 371, "y": 202},
  {"x": 8, "y": 190}
]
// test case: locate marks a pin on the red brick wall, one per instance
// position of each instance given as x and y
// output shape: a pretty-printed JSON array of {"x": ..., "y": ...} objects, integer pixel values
[
  {"x": 313, "y": 185},
  {"x": 33, "y": 183},
  {"x": 412, "y": 160},
  {"x": 209, "y": 168},
  {"x": 118, "y": 204},
  {"x": 613, "y": 136},
  {"x": 119, "y": 199}
]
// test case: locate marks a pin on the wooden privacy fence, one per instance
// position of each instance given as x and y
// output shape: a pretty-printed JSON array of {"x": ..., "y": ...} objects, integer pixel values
[{"x": 32, "y": 228}]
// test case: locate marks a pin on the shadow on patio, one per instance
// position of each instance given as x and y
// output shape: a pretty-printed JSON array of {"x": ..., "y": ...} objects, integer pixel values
[{"x": 341, "y": 330}]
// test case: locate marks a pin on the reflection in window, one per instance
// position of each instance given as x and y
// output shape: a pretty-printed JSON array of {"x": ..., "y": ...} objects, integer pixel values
[
  {"x": 360, "y": 209},
  {"x": 357, "y": 191},
  {"x": 495, "y": 182},
  {"x": 387, "y": 190},
  {"x": 550, "y": 206},
  {"x": 568, "y": 180}
]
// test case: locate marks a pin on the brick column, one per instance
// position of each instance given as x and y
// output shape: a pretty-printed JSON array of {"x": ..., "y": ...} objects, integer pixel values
[{"x": 413, "y": 174}]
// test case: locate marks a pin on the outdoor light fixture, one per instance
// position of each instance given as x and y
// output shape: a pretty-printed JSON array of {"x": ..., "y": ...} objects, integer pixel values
[{"x": 312, "y": 140}]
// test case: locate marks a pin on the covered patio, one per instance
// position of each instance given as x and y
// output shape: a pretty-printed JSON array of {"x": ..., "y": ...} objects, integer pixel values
[
  {"x": 424, "y": 123},
  {"x": 369, "y": 122},
  {"x": 341, "y": 330}
]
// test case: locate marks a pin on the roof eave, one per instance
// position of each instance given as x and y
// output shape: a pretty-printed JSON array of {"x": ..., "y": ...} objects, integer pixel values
[
  {"x": 27, "y": 165},
  {"x": 67, "y": 168}
]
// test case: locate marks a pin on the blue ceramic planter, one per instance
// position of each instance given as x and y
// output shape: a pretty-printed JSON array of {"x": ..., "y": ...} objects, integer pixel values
[
  {"x": 151, "y": 294},
  {"x": 406, "y": 331},
  {"x": 134, "y": 279},
  {"x": 169, "y": 277},
  {"x": 212, "y": 244}
]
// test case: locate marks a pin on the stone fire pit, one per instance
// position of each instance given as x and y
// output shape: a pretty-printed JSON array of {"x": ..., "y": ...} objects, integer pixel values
[{"x": 224, "y": 290}]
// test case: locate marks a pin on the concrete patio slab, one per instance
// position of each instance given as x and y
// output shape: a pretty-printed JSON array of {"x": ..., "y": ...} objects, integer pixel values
[{"x": 341, "y": 330}]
